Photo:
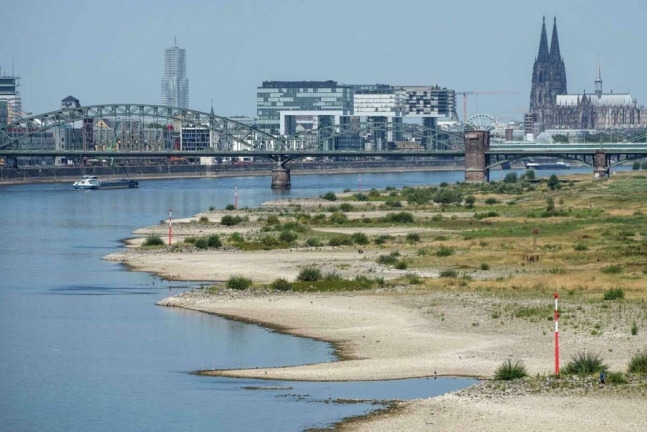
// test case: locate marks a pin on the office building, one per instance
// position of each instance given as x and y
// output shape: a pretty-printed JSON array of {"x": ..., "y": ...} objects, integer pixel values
[
  {"x": 11, "y": 96},
  {"x": 175, "y": 84}
]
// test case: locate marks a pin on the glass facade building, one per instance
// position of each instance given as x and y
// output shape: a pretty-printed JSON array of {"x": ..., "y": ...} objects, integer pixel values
[
  {"x": 175, "y": 84},
  {"x": 313, "y": 96}
]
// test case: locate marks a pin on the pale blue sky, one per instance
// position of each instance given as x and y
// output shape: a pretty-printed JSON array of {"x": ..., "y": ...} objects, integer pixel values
[{"x": 112, "y": 51}]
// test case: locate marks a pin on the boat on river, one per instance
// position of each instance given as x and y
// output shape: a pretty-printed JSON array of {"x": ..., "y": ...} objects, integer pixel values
[
  {"x": 547, "y": 165},
  {"x": 89, "y": 182}
]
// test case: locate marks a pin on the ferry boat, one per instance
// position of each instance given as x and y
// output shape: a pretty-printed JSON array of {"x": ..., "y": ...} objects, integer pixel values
[
  {"x": 547, "y": 165},
  {"x": 93, "y": 182}
]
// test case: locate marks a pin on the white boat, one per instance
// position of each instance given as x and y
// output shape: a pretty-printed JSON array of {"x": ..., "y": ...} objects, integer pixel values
[
  {"x": 547, "y": 165},
  {"x": 93, "y": 182}
]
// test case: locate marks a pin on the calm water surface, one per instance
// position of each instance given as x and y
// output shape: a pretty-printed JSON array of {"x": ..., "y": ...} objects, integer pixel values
[{"x": 84, "y": 348}]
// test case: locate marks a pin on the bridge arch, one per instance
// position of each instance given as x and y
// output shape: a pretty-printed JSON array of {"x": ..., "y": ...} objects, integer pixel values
[{"x": 230, "y": 133}]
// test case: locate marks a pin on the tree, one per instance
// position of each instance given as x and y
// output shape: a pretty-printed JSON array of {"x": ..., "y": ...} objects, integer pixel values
[
  {"x": 469, "y": 201},
  {"x": 510, "y": 178},
  {"x": 553, "y": 182},
  {"x": 529, "y": 174}
]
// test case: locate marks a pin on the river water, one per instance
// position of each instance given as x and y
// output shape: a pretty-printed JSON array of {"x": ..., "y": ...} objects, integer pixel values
[{"x": 84, "y": 348}]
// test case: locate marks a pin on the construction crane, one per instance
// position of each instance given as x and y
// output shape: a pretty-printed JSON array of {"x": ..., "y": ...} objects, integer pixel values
[{"x": 479, "y": 92}]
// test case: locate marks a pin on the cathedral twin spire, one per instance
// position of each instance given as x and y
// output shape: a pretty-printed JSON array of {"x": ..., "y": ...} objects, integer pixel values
[{"x": 544, "y": 53}]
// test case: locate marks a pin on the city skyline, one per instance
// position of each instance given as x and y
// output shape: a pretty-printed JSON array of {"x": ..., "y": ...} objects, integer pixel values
[{"x": 233, "y": 46}]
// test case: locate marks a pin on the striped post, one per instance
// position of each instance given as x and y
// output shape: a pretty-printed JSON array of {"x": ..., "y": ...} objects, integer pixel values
[
  {"x": 170, "y": 226},
  {"x": 236, "y": 197},
  {"x": 556, "y": 335}
]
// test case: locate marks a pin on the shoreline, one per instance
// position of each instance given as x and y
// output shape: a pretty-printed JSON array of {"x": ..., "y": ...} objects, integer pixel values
[{"x": 405, "y": 332}]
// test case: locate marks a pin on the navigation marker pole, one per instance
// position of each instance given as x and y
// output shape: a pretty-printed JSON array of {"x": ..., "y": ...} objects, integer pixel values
[
  {"x": 360, "y": 182},
  {"x": 170, "y": 226},
  {"x": 236, "y": 197},
  {"x": 556, "y": 336}
]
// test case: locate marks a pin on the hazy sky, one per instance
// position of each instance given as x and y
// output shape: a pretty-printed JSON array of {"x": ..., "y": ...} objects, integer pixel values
[{"x": 113, "y": 51}]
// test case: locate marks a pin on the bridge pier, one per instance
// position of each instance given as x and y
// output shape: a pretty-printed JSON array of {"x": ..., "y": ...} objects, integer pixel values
[
  {"x": 476, "y": 161},
  {"x": 600, "y": 165},
  {"x": 281, "y": 178}
]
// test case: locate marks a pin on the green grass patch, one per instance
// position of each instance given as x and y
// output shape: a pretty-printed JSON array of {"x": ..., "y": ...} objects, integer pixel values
[
  {"x": 585, "y": 363},
  {"x": 510, "y": 370}
]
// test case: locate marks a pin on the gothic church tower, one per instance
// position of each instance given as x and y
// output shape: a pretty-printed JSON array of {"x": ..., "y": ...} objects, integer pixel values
[{"x": 548, "y": 78}]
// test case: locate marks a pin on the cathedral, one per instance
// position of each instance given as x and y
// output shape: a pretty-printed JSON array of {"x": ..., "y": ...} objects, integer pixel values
[{"x": 551, "y": 107}]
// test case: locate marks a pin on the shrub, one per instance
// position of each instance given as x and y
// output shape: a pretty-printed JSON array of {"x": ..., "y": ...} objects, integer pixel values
[
  {"x": 189, "y": 240},
  {"x": 236, "y": 237},
  {"x": 238, "y": 283},
  {"x": 281, "y": 284},
  {"x": 230, "y": 207},
  {"x": 360, "y": 197},
  {"x": 510, "y": 370},
  {"x": 359, "y": 238},
  {"x": 345, "y": 207},
  {"x": 333, "y": 276},
  {"x": 616, "y": 378},
  {"x": 414, "y": 279},
  {"x": 272, "y": 220},
  {"x": 213, "y": 241},
  {"x": 634, "y": 328},
  {"x": 469, "y": 201},
  {"x": 313, "y": 242},
  {"x": 580, "y": 247},
  {"x": 611, "y": 269},
  {"x": 485, "y": 266},
  {"x": 638, "y": 363},
  {"x": 400, "y": 217},
  {"x": 490, "y": 201},
  {"x": 529, "y": 174},
  {"x": 511, "y": 178},
  {"x": 340, "y": 240},
  {"x": 153, "y": 240},
  {"x": 338, "y": 218},
  {"x": 401, "y": 265},
  {"x": 391, "y": 258},
  {"x": 229, "y": 220},
  {"x": 635, "y": 166},
  {"x": 201, "y": 243},
  {"x": 444, "y": 251},
  {"x": 413, "y": 237},
  {"x": 203, "y": 220},
  {"x": 553, "y": 182},
  {"x": 287, "y": 237},
  {"x": 382, "y": 239},
  {"x": 614, "y": 294},
  {"x": 269, "y": 242},
  {"x": 330, "y": 196},
  {"x": 374, "y": 193},
  {"x": 211, "y": 208},
  {"x": 309, "y": 274},
  {"x": 585, "y": 363},
  {"x": 448, "y": 273}
]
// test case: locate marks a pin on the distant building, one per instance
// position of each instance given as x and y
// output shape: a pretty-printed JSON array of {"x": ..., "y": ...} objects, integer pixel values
[
  {"x": 175, "y": 84},
  {"x": 4, "y": 113},
  {"x": 9, "y": 93},
  {"x": 551, "y": 107}
]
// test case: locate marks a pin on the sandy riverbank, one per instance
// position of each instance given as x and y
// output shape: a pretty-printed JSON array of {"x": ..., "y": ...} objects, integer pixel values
[{"x": 405, "y": 332}]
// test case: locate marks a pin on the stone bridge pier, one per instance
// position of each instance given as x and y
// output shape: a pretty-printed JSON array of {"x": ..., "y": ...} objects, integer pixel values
[
  {"x": 476, "y": 161},
  {"x": 600, "y": 165},
  {"x": 281, "y": 174}
]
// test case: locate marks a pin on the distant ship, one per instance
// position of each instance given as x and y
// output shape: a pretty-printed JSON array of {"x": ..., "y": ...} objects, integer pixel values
[
  {"x": 93, "y": 182},
  {"x": 547, "y": 165}
]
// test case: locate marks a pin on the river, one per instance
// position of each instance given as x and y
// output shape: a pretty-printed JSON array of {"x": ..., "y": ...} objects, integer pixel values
[{"x": 84, "y": 348}]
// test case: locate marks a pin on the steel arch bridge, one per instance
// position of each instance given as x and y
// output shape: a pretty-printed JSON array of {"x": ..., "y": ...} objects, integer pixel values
[{"x": 134, "y": 135}]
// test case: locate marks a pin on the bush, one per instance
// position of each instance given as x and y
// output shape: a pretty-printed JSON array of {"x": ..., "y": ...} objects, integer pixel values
[
  {"x": 213, "y": 241},
  {"x": 490, "y": 201},
  {"x": 236, "y": 238},
  {"x": 391, "y": 258},
  {"x": 238, "y": 283},
  {"x": 638, "y": 363},
  {"x": 401, "y": 265},
  {"x": 340, "y": 240},
  {"x": 313, "y": 242},
  {"x": 332, "y": 276},
  {"x": 635, "y": 166},
  {"x": 382, "y": 239},
  {"x": 634, "y": 328},
  {"x": 611, "y": 269},
  {"x": 616, "y": 378},
  {"x": 529, "y": 174},
  {"x": 359, "y": 238},
  {"x": 553, "y": 182},
  {"x": 330, "y": 196},
  {"x": 444, "y": 251},
  {"x": 230, "y": 207},
  {"x": 614, "y": 294},
  {"x": 201, "y": 243},
  {"x": 272, "y": 220},
  {"x": 309, "y": 274},
  {"x": 281, "y": 284},
  {"x": 585, "y": 363},
  {"x": 153, "y": 240},
  {"x": 204, "y": 220},
  {"x": 360, "y": 197},
  {"x": 400, "y": 217},
  {"x": 345, "y": 207},
  {"x": 448, "y": 273},
  {"x": 511, "y": 178},
  {"x": 580, "y": 247},
  {"x": 413, "y": 238},
  {"x": 469, "y": 201},
  {"x": 485, "y": 266},
  {"x": 269, "y": 242},
  {"x": 338, "y": 218},
  {"x": 510, "y": 370},
  {"x": 287, "y": 237},
  {"x": 229, "y": 220}
]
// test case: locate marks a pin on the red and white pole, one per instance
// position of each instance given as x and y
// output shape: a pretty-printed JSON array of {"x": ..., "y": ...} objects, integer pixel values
[
  {"x": 170, "y": 226},
  {"x": 236, "y": 197},
  {"x": 556, "y": 335}
]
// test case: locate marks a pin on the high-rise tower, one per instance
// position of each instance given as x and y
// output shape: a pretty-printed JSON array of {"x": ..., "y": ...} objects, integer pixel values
[
  {"x": 548, "y": 78},
  {"x": 175, "y": 84}
]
